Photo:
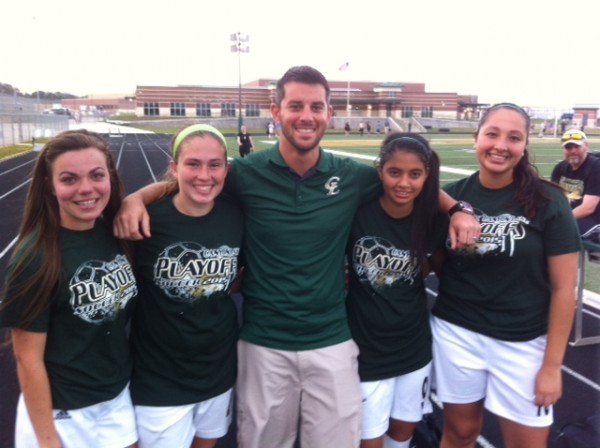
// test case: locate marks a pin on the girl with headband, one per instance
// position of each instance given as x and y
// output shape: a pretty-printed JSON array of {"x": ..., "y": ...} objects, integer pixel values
[
  {"x": 185, "y": 327},
  {"x": 69, "y": 296},
  {"x": 505, "y": 305},
  {"x": 390, "y": 242}
]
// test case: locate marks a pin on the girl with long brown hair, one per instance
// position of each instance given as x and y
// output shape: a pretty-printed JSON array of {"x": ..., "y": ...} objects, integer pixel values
[{"x": 68, "y": 299}]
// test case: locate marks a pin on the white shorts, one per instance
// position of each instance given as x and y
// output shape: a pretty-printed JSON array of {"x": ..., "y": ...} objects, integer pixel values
[
  {"x": 174, "y": 426},
  {"x": 470, "y": 366},
  {"x": 110, "y": 424},
  {"x": 405, "y": 398}
]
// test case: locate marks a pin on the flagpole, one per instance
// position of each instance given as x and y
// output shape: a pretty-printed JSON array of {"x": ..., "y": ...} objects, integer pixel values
[{"x": 348, "y": 98}]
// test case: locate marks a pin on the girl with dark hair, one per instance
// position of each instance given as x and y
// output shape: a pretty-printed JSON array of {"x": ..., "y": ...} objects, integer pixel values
[
  {"x": 68, "y": 299},
  {"x": 185, "y": 325},
  {"x": 390, "y": 242},
  {"x": 505, "y": 305}
]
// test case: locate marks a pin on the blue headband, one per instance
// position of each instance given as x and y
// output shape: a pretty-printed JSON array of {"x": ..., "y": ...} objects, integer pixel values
[{"x": 185, "y": 133}]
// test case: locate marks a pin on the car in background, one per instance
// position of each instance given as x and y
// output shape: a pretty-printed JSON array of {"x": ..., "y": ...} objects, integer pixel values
[{"x": 58, "y": 111}]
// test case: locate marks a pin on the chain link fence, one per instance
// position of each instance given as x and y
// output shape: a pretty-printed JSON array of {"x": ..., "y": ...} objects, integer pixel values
[{"x": 22, "y": 119}]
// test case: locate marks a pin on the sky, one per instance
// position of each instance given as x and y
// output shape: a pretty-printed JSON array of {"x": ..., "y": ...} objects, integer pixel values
[{"x": 536, "y": 53}]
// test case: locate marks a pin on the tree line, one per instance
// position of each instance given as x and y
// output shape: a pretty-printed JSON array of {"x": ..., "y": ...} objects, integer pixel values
[{"x": 7, "y": 89}]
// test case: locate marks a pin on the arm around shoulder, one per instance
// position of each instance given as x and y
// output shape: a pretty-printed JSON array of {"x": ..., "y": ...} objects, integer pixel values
[
  {"x": 464, "y": 228},
  {"x": 132, "y": 221}
]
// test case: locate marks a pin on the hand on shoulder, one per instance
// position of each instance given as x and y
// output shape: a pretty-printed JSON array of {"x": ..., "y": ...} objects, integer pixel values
[{"x": 132, "y": 221}]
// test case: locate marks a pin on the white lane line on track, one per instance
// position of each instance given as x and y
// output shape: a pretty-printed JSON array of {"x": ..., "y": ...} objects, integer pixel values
[
  {"x": 350, "y": 154},
  {"x": 118, "y": 162},
  {"x": 147, "y": 161},
  {"x": 15, "y": 189},
  {"x": 582, "y": 378},
  {"x": 8, "y": 248},
  {"x": 16, "y": 167},
  {"x": 445, "y": 169}
]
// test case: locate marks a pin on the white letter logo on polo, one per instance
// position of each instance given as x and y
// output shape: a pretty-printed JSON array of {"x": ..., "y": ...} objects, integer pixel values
[{"x": 332, "y": 186}]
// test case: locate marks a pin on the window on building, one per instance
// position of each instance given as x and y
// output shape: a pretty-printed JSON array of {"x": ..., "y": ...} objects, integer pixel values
[
  {"x": 177, "y": 109},
  {"x": 407, "y": 111},
  {"x": 203, "y": 110},
  {"x": 151, "y": 109},
  {"x": 252, "y": 110},
  {"x": 228, "y": 110},
  {"x": 427, "y": 111}
]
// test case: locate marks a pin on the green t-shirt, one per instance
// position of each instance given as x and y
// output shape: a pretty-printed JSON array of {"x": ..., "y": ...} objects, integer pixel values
[
  {"x": 184, "y": 328},
  {"x": 500, "y": 286},
  {"x": 296, "y": 234},
  {"x": 387, "y": 302},
  {"x": 87, "y": 353}
]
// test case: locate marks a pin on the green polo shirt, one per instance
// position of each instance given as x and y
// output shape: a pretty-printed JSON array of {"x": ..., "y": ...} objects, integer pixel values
[{"x": 295, "y": 236}]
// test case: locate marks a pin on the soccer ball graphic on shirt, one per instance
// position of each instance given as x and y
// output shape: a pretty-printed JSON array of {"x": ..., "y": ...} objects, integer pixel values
[
  {"x": 374, "y": 247},
  {"x": 376, "y": 260},
  {"x": 183, "y": 272},
  {"x": 91, "y": 271},
  {"x": 182, "y": 252},
  {"x": 99, "y": 289}
]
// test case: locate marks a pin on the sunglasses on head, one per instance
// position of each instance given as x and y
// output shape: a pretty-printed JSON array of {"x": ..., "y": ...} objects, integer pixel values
[{"x": 573, "y": 136}]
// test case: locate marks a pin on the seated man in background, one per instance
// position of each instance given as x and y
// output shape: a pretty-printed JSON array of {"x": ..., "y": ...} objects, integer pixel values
[{"x": 579, "y": 176}]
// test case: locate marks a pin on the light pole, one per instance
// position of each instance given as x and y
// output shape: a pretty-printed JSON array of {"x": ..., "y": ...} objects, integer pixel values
[
  {"x": 240, "y": 46},
  {"x": 343, "y": 68}
]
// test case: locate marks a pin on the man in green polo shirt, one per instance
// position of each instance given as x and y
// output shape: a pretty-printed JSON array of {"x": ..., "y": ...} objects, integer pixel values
[{"x": 297, "y": 366}]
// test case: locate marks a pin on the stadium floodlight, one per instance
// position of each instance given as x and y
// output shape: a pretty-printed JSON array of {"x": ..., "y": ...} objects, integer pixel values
[
  {"x": 343, "y": 68},
  {"x": 240, "y": 46}
]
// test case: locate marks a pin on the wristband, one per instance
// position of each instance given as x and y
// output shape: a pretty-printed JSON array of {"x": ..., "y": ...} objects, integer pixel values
[{"x": 462, "y": 206}]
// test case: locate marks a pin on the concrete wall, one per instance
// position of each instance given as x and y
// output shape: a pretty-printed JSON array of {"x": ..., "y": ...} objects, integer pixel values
[
  {"x": 396, "y": 124},
  {"x": 437, "y": 123}
]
